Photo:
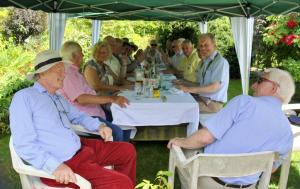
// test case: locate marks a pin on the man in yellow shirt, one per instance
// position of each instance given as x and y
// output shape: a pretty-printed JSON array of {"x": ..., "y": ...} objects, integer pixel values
[{"x": 190, "y": 63}]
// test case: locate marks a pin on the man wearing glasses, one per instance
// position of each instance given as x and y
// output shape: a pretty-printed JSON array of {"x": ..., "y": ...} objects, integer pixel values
[
  {"x": 212, "y": 77},
  {"x": 153, "y": 54},
  {"x": 40, "y": 123},
  {"x": 247, "y": 124}
]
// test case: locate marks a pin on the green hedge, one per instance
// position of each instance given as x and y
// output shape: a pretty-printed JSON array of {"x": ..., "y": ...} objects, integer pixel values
[
  {"x": 292, "y": 66},
  {"x": 14, "y": 65}
]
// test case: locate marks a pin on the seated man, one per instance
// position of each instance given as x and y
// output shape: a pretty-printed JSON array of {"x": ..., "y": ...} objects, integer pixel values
[
  {"x": 190, "y": 62},
  {"x": 247, "y": 124},
  {"x": 40, "y": 123},
  {"x": 81, "y": 95},
  {"x": 212, "y": 77},
  {"x": 174, "y": 61},
  {"x": 153, "y": 54}
]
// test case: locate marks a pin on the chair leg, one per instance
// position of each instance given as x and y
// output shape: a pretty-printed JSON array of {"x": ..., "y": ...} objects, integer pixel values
[
  {"x": 284, "y": 173},
  {"x": 171, "y": 168},
  {"x": 25, "y": 181}
]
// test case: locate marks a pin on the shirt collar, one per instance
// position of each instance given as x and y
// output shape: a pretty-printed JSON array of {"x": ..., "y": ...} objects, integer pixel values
[
  {"x": 180, "y": 53},
  {"x": 73, "y": 66},
  {"x": 42, "y": 89},
  {"x": 212, "y": 56},
  {"x": 39, "y": 87}
]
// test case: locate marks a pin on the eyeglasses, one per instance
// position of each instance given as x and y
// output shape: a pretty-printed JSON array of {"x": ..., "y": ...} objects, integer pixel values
[
  {"x": 61, "y": 111},
  {"x": 153, "y": 45},
  {"x": 262, "y": 79}
]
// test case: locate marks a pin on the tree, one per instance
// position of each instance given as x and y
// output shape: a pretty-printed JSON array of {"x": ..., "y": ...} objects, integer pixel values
[{"x": 23, "y": 23}]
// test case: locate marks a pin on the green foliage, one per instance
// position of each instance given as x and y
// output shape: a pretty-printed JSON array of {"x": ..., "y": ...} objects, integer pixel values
[
  {"x": 232, "y": 59},
  {"x": 83, "y": 28},
  {"x": 221, "y": 28},
  {"x": 160, "y": 182},
  {"x": 9, "y": 84},
  {"x": 139, "y": 32},
  {"x": 22, "y": 23},
  {"x": 3, "y": 16},
  {"x": 271, "y": 44},
  {"x": 14, "y": 65},
  {"x": 175, "y": 30},
  {"x": 292, "y": 66},
  {"x": 283, "y": 30},
  {"x": 189, "y": 30}
]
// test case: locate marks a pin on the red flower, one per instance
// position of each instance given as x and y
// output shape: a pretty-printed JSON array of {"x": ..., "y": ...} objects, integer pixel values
[
  {"x": 288, "y": 39},
  {"x": 291, "y": 24}
]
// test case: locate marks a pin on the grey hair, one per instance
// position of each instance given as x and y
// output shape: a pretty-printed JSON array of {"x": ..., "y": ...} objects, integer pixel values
[
  {"x": 286, "y": 83},
  {"x": 68, "y": 49},
  {"x": 187, "y": 41},
  {"x": 208, "y": 36},
  {"x": 180, "y": 41}
]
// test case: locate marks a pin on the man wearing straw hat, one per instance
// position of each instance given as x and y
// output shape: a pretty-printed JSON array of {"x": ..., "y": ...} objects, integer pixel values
[{"x": 40, "y": 123}]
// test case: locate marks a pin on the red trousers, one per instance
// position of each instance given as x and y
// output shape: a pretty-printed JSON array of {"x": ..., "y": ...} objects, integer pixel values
[{"x": 93, "y": 155}]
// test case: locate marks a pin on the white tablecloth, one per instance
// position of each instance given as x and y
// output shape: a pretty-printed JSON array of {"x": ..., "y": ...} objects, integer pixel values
[{"x": 142, "y": 111}]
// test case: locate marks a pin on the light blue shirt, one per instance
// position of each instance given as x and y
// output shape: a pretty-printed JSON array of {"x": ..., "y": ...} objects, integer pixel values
[
  {"x": 40, "y": 126},
  {"x": 250, "y": 124},
  {"x": 214, "y": 68},
  {"x": 177, "y": 58}
]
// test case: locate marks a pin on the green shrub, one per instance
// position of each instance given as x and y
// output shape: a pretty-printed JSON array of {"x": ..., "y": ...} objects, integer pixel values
[
  {"x": 292, "y": 66},
  {"x": 9, "y": 84},
  {"x": 233, "y": 63},
  {"x": 160, "y": 181},
  {"x": 14, "y": 65}
]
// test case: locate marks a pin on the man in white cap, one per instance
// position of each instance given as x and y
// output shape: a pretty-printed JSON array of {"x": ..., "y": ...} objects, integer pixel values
[{"x": 40, "y": 123}]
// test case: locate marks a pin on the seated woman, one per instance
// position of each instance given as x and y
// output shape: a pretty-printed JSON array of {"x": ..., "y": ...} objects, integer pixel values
[
  {"x": 97, "y": 72},
  {"x": 77, "y": 91}
]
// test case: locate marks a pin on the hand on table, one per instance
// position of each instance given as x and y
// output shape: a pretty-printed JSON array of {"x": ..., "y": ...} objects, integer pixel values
[{"x": 121, "y": 101}]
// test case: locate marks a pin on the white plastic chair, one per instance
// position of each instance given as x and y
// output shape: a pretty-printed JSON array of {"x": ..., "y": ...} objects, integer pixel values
[
  {"x": 30, "y": 177},
  {"x": 285, "y": 167},
  {"x": 220, "y": 165}
]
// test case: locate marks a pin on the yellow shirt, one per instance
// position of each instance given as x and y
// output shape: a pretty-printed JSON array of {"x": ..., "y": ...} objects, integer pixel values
[
  {"x": 181, "y": 65},
  {"x": 191, "y": 64}
]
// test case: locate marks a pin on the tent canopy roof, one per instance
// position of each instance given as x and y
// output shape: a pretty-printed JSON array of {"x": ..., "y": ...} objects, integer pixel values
[{"x": 167, "y": 10}]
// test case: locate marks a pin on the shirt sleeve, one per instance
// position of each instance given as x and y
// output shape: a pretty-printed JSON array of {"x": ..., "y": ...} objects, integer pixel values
[
  {"x": 25, "y": 139},
  {"x": 73, "y": 86},
  {"x": 284, "y": 149},
  {"x": 80, "y": 118},
  {"x": 222, "y": 121},
  {"x": 220, "y": 70}
]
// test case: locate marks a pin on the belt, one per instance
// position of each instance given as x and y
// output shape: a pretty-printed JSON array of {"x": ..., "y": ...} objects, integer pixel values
[{"x": 216, "y": 179}]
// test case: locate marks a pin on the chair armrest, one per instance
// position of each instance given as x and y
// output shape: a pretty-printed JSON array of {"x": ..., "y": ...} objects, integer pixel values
[
  {"x": 29, "y": 170},
  {"x": 182, "y": 158},
  {"x": 79, "y": 128}
]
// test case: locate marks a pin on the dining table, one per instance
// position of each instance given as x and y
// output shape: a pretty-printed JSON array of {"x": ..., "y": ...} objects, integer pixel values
[{"x": 172, "y": 107}]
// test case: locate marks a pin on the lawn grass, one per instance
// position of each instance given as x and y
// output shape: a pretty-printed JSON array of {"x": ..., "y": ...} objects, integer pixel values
[{"x": 152, "y": 157}]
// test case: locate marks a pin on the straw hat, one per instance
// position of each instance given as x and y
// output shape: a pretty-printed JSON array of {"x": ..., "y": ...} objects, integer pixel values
[{"x": 44, "y": 61}]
